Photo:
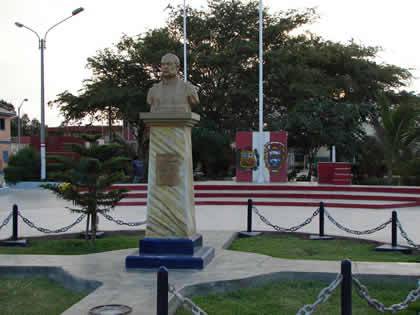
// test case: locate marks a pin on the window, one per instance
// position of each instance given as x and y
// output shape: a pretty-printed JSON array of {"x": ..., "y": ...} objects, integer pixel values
[
  {"x": 2, "y": 124},
  {"x": 5, "y": 156}
]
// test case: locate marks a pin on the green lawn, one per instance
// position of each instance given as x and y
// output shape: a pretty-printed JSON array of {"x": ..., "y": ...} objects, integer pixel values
[
  {"x": 283, "y": 245},
  {"x": 31, "y": 296},
  {"x": 74, "y": 246},
  {"x": 287, "y": 297}
]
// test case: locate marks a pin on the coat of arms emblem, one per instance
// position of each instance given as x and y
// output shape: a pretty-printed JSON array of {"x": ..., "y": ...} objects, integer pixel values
[
  {"x": 248, "y": 159},
  {"x": 274, "y": 156}
]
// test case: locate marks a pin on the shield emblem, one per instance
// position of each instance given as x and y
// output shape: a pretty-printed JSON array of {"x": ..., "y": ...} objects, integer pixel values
[
  {"x": 274, "y": 156},
  {"x": 247, "y": 160}
]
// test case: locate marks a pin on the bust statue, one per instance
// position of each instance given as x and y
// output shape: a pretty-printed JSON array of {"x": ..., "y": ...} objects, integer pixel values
[{"x": 171, "y": 94}]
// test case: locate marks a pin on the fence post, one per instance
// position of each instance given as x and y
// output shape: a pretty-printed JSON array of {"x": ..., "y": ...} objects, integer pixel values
[
  {"x": 394, "y": 228},
  {"x": 15, "y": 223},
  {"x": 162, "y": 291},
  {"x": 346, "y": 307},
  {"x": 249, "y": 221},
  {"x": 321, "y": 219}
]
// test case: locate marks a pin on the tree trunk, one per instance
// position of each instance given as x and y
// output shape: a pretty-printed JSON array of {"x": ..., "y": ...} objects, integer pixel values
[
  {"x": 93, "y": 229},
  {"x": 389, "y": 171},
  {"x": 111, "y": 134},
  {"x": 87, "y": 228}
]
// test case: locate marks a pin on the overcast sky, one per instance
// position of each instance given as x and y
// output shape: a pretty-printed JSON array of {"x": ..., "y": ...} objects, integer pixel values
[{"x": 393, "y": 25}]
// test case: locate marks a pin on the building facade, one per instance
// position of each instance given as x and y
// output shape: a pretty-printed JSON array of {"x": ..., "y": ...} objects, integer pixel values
[{"x": 7, "y": 112}]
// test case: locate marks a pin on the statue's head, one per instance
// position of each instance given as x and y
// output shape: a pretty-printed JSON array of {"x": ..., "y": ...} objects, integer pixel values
[{"x": 169, "y": 66}]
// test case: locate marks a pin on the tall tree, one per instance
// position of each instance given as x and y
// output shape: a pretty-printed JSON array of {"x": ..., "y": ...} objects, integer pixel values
[{"x": 223, "y": 64}]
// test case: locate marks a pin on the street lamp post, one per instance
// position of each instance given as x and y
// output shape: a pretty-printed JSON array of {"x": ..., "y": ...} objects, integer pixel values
[
  {"x": 25, "y": 100},
  {"x": 42, "y": 48}
]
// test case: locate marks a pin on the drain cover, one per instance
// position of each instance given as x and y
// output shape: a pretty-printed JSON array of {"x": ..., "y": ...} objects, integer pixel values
[{"x": 112, "y": 309}]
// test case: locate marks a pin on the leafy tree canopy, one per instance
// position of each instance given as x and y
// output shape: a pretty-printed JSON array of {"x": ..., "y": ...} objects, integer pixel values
[{"x": 299, "y": 68}]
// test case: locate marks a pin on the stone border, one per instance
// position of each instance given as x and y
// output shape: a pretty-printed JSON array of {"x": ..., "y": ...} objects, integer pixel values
[{"x": 66, "y": 279}]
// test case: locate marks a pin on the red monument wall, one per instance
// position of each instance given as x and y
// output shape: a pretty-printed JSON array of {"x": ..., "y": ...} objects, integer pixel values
[
  {"x": 274, "y": 167},
  {"x": 336, "y": 173}
]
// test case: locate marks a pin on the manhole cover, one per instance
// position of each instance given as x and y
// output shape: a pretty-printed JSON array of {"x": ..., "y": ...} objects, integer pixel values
[{"x": 113, "y": 309}]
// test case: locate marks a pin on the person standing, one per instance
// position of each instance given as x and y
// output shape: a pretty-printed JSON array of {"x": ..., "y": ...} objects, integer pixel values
[{"x": 138, "y": 170}]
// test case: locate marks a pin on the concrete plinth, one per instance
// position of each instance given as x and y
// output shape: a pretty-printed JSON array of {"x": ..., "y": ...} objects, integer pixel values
[
  {"x": 174, "y": 253},
  {"x": 390, "y": 248},
  {"x": 171, "y": 240},
  {"x": 170, "y": 201},
  {"x": 21, "y": 242},
  {"x": 318, "y": 237}
]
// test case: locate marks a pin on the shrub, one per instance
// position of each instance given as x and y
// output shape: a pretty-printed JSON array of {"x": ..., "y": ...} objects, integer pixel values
[{"x": 25, "y": 165}]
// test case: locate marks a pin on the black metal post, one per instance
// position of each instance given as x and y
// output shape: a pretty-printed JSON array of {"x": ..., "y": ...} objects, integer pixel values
[
  {"x": 394, "y": 228},
  {"x": 162, "y": 291},
  {"x": 321, "y": 219},
  {"x": 346, "y": 287},
  {"x": 15, "y": 223},
  {"x": 249, "y": 228}
]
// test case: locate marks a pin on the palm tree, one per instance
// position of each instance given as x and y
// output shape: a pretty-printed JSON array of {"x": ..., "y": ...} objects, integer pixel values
[{"x": 397, "y": 131}]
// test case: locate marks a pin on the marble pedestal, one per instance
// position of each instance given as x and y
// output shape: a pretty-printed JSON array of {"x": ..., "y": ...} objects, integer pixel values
[{"x": 170, "y": 202}]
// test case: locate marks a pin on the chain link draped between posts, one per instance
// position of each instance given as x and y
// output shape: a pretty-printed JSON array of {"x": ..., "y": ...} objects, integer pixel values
[
  {"x": 43, "y": 230},
  {"x": 280, "y": 229},
  {"x": 121, "y": 222},
  {"x": 380, "y": 307},
  {"x": 186, "y": 302},
  {"x": 404, "y": 235},
  {"x": 6, "y": 221},
  {"x": 370, "y": 231},
  {"x": 323, "y": 296}
]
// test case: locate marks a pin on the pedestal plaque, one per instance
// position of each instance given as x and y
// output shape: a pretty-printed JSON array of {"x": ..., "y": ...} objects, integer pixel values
[{"x": 167, "y": 169}]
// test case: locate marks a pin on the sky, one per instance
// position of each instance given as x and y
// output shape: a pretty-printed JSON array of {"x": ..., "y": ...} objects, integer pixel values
[{"x": 389, "y": 24}]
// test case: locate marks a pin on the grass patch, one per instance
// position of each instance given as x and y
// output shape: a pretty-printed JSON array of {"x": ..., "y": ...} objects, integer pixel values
[
  {"x": 286, "y": 245},
  {"x": 32, "y": 296},
  {"x": 71, "y": 245},
  {"x": 287, "y": 297}
]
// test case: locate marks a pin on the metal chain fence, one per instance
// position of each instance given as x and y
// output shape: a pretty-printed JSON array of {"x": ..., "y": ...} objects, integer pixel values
[
  {"x": 43, "y": 230},
  {"x": 280, "y": 229},
  {"x": 370, "y": 231},
  {"x": 323, "y": 296},
  {"x": 380, "y": 307},
  {"x": 6, "y": 221},
  {"x": 404, "y": 235},
  {"x": 186, "y": 302},
  {"x": 121, "y": 222}
]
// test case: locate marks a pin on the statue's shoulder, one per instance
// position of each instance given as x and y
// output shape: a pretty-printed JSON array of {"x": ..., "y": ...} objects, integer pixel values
[
  {"x": 191, "y": 88},
  {"x": 157, "y": 85}
]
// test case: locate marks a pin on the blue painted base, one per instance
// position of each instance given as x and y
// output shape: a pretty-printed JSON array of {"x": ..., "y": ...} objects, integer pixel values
[{"x": 171, "y": 253}]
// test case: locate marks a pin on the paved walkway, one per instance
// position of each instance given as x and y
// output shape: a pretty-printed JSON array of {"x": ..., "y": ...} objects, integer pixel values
[{"x": 218, "y": 224}]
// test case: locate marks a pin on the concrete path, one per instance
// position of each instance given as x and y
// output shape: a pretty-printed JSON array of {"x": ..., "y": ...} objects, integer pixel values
[{"x": 218, "y": 225}]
